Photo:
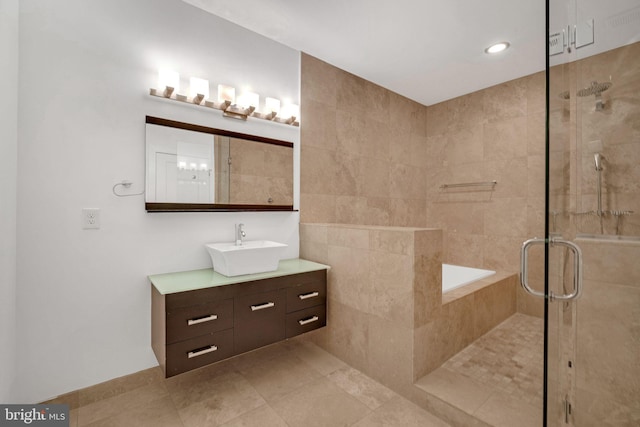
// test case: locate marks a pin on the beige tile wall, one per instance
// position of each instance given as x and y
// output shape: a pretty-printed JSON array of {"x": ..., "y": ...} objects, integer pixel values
[
  {"x": 370, "y": 156},
  {"x": 363, "y": 151},
  {"x": 493, "y": 134}
]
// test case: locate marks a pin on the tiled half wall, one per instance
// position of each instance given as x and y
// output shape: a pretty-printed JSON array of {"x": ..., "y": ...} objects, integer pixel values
[{"x": 386, "y": 313}]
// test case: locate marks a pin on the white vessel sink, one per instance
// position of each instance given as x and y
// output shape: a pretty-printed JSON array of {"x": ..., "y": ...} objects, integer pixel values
[{"x": 253, "y": 256}]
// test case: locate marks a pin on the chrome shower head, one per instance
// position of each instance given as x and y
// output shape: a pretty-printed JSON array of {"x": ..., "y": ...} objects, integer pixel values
[{"x": 594, "y": 89}]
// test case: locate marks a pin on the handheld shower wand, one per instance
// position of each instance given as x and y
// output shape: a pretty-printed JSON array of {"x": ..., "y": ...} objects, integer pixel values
[{"x": 598, "y": 161}]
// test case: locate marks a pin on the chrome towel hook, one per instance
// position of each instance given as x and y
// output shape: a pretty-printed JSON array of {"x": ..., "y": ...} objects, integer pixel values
[{"x": 125, "y": 184}]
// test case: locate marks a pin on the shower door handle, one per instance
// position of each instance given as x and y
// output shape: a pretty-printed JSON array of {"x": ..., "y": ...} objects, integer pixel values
[
  {"x": 524, "y": 266},
  {"x": 577, "y": 268}
]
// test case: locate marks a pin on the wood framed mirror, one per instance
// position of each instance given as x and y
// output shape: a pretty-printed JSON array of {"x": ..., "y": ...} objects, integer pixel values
[{"x": 193, "y": 168}]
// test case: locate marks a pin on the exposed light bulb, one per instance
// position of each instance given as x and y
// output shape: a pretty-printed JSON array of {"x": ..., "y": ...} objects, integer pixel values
[
  {"x": 249, "y": 99},
  {"x": 168, "y": 78},
  {"x": 198, "y": 87},
  {"x": 271, "y": 105},
  {"x": 226, "y": 93},
  {"x": 289, "y": 110}
]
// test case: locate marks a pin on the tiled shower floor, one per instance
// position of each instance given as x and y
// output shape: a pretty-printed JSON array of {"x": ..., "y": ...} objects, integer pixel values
[
  {"x": 498, "y": 378},
  {"x": 508, "y": 358}
]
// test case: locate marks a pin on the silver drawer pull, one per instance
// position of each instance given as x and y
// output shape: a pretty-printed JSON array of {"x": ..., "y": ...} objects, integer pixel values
[
  {"x": 309, "y": 295},
  {"x": 309, "y": 320},
  {"x": 263, "y": 306},
  {"x": 201, "y": 351},
  {"x": 202, "y": 319}
]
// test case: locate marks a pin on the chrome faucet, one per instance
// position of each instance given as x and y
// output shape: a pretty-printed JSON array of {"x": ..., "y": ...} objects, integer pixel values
[{"x": 239, "y": 234}]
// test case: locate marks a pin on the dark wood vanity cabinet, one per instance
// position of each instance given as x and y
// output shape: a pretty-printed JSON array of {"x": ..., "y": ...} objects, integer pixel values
[{"x": 195, "y": 328}]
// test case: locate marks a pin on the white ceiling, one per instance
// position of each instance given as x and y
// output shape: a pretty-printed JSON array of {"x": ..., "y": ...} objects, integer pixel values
[{"x": 425, "y": 50}]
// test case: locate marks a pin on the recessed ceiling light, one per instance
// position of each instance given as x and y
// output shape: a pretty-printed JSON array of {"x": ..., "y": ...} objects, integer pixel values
[{"x": 498, "y": 47}]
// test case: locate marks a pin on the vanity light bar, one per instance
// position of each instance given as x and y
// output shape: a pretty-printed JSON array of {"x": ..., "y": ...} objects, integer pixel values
[{"x": 226, "y": 101}]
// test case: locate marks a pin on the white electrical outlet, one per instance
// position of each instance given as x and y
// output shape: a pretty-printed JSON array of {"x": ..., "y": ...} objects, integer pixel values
[{"x": 90, "y": 218}]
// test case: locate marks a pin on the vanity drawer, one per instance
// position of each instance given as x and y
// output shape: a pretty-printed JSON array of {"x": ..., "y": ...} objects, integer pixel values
[
  {"x": 199, "y": 351},
  {"x": 306, "y": 320},
  {"x": 258, "y": 319},
  {"x": 189, "y": 322},
  {"x": 306, "y": 295}
]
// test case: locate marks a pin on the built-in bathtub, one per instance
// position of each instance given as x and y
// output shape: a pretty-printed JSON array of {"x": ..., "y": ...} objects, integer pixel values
[{"x": 456, "y": 276}]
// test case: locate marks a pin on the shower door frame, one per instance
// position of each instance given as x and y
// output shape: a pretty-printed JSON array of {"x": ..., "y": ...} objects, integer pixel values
[
  {"x": 578, "y": 370},
  {"x": 564, "y": 383}
]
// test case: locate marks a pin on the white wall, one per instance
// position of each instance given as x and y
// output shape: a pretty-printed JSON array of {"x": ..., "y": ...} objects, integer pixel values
[
  {"x": 8, "y": 177},
  {"x": 85, "y": 71}
]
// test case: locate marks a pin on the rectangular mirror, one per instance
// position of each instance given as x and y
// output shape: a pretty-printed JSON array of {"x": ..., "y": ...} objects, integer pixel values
[{"x": 197, "y": 168}]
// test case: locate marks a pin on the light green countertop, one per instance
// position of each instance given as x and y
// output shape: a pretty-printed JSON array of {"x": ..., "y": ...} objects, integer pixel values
[{"x": 170, "y": 283}]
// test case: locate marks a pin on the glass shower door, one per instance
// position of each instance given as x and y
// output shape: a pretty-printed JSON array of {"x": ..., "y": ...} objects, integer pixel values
[{"x": 592, "y": 246}]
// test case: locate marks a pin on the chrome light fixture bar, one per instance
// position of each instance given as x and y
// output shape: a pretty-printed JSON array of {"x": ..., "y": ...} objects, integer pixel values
[{"x": 226, "y": 101}]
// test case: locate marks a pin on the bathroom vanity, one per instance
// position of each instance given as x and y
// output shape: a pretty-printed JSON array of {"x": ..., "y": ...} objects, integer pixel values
[{"x": 200, "y": 317}]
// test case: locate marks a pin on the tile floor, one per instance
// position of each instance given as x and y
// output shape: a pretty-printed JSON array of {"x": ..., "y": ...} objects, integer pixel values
[
  {"x": 498, "y": 378},
  {"x": 293, "y": 383}
]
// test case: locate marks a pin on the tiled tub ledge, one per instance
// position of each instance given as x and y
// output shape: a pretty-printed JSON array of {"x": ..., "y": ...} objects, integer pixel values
[
  {"x": 476, "y": 286},
  {"x": 465, "y": 314}
]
